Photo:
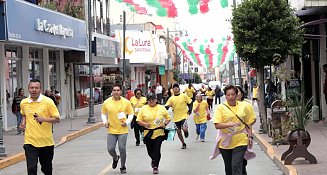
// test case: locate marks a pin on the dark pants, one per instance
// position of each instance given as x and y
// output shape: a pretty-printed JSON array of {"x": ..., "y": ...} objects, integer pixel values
[
  {"x": 326, "y": 98},
  {"x": 44, "y": 154},
  {"x": 137, "y": 130},
  {"x": 217, "y": 97},
  {"x": 233, "y": 159},
  {"x": 210, "y": 101},
  {"x": 153, "y": 147},
  {"x": 159, "y": 97}
]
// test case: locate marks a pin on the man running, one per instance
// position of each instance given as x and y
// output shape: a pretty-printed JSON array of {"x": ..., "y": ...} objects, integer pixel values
[{"x": 179, "y": 103}]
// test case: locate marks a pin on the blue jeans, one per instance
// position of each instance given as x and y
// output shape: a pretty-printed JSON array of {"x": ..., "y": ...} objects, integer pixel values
[
  {"x": 19, "y": 120},
  {"x": 201, "y": 129}
]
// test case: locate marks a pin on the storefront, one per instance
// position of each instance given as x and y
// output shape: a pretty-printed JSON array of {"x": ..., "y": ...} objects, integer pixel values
[
  {"x": 34, "y": 46},
  {"x": 145, "y": 53}
]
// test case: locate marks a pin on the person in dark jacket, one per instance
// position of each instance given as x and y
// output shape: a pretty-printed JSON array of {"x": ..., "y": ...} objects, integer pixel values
[{"x": 15, "y": 108}]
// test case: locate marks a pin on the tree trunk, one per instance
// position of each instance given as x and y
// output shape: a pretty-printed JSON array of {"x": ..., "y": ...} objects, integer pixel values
[{"x": 261, "y": 100}]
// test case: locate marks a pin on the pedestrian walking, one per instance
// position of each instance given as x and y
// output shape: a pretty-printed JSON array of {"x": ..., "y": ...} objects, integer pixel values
[
  {"x": 154, "y": 118},
  {"x": 159, "y": 93},
  {"x": 210, "y": 93},
  {"x": 137, "y": 103},
  {"x": 218, "y": 94},
  {"x": 179, "y": 103},
  {"x": 48, "y": 93},
  {"x": 241, "y": 98},
  {"x": 56, "y": 93},
  {"x": 246, "y": 89},
  {"x": 113, "y": 115},
  {"x": 15, "y": 108},
  {"x": 201, "y": 111},
  {"x": 39, "y": 113},
  {"x": 234, "y": 139}
]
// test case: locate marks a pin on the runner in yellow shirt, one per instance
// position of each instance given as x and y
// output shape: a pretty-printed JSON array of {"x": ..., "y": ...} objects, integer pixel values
[
  {"x": 233, "y": 117},
  {"x": 201, "y": 110},
  {"x": 190, "y": 91},
  {"x": 39, "y": 113},
  {"x": 137, "y": 102},
  {"x": 179, "y": 103},
  {"x": 210, "y": 93},
  {"x": 154, "y": 118},
  {"x": 113, "y": 115}
]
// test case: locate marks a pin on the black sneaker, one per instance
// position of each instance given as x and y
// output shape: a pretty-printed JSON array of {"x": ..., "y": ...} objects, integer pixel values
[
  {"x": 115, "y": 162},
  {"x": 184, "y": 146},
  {"x": 137, "y": 143},
  {"x": 123, "y": 170},
  {"x": 186, "y": 134}
]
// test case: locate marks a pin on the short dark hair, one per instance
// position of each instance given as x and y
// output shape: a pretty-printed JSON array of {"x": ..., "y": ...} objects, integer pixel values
[
  {"x": 34, "y": 81},
  {"x": 324, "y": 66},
  {"x": 228, "y": 87},
  {"x": 117, "y": 85},
  {"x": 137, "y": 89},
  {"x": 242, "y": 92}
]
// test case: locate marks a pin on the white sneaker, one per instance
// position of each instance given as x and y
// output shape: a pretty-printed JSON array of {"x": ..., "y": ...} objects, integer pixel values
[
  {"x": 202, "y": 140},
  {"x": 197, "y": 137}
]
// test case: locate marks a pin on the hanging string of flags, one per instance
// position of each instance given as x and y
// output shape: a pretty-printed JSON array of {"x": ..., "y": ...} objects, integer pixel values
[
  {"x": 172, "y": 8},
  {"x": 207, "y": 53}
]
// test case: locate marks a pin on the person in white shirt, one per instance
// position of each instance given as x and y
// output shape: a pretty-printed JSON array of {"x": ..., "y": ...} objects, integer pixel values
[{"x": 159, "y": 93}]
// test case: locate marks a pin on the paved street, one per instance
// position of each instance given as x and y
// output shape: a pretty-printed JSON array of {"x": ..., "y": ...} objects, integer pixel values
[{"x": 88, "y": 155}]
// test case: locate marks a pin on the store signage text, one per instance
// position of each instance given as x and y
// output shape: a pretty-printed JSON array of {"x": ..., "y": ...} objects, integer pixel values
[{"x": 54, "y": 29}]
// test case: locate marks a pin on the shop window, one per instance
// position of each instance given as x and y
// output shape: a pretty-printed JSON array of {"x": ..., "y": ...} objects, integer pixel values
[
  {"x": 54, "y": 63},
  {"x": 82, "y": 85},
  {"x": 35, "y": 67}
]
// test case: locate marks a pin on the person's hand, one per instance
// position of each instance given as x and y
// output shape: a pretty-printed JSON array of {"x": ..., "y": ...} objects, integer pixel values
[
  {"x": 147, "y": 125},
  {"x": 22, "y": 127},
  {"x": 232, "y": 124},
  {"x": 124, "y": 124},
  {"x": 39, "y": 119},
  {"x": 106, "y": 125}
]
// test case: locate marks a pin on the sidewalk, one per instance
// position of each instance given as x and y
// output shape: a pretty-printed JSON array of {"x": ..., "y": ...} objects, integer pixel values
[
  {"x": 66, "y": 130},
  {"x": 317, "y": 147}
]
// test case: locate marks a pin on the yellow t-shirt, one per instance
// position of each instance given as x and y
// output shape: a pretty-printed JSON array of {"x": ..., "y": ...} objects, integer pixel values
[
  {"x": 179, "y": 105},
  {"x": 155, "y": 116},
  {"x": 255, "y": 92},
  {"x": 189, "y": 92},
  {"x": 210, "y": 94},
  {"x": 201, "y": 115},
  {"x": 36, "y": 134},
  {"x": 137, "y": 104},
  {"x": 111, "y": 108},
  {"x": 224, "y": 115},
  {"x": 249, "y": 106}
]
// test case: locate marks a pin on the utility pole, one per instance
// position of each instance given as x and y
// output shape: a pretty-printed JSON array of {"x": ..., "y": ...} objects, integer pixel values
[
  {"x": 91, "y": 118},
  {"x": 167, "y": 50}
]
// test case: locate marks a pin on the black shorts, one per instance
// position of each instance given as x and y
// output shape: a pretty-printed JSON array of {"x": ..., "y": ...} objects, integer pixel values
[{"x": 180, "y": 124}]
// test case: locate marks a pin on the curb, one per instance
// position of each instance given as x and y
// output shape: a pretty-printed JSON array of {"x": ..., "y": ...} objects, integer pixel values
[
  {"x": 286, "y": 169},
  {"x": 21, "y": 156}
]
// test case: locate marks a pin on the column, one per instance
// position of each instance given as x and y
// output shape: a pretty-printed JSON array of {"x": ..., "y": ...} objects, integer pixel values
[
  {"x": 25, "y": 65},
  {"x": 45, "y": 53},
  {"x": 323, "y": 60},
  {"x": 63, "y": 91}
]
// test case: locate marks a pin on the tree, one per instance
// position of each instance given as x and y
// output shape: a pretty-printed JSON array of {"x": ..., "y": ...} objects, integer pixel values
[
  {"x": 197, "y": 78},
  {"x": 265, "y": 33}
]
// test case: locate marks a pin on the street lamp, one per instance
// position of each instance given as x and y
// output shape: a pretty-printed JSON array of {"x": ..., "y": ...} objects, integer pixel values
[{"x": 91, "y": 118}]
